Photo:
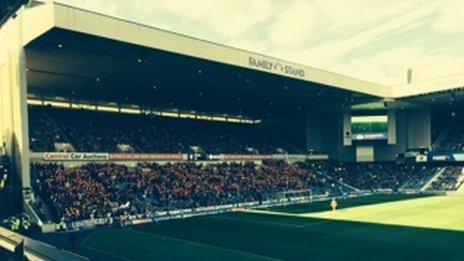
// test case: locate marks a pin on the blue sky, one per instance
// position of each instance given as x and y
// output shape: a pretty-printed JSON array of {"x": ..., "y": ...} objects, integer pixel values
[{"x": 374, "y": 40}]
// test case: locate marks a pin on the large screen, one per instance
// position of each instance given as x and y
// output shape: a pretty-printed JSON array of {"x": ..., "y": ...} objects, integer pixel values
[{"x": 369, "y": 127}]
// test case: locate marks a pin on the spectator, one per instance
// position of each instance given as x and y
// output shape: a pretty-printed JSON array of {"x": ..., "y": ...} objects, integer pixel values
[
  {"x": 99, "y": 190},
  {"x": 92, "y": 131}
]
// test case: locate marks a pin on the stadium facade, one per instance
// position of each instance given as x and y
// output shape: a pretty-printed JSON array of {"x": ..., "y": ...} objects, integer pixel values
[{"x": 55, "y": 52}]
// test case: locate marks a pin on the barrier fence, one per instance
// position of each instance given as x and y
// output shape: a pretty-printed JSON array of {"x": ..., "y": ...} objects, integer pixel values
[{"x": 212, "y": 210}]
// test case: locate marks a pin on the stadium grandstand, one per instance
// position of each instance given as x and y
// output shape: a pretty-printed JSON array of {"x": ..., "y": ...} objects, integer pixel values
[{"x": 122, "y": 141}]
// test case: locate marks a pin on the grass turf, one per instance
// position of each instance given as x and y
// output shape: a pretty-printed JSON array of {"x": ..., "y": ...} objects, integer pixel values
[{"x": 420, "y": 228}]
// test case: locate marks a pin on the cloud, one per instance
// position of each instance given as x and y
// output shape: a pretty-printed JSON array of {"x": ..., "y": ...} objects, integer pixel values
[
  {"x": 228, "y": 18},
  {"x": 390, "y": 66},
  {"x": 333, "y": 49},
  {"x": 450, "y": 18},
  {"x": 294, "y": 25},
  {"x": 112, "y": 8},
  {"x": 375, "y": 40}
]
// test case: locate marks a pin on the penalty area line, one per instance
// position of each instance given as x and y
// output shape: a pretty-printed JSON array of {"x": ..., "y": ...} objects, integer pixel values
[
  {"x": 280, "y": 214},
  {"x": 265, "y": 212}
]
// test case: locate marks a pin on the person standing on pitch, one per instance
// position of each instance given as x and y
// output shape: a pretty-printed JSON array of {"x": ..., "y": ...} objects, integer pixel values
[{"x": 333, "y": 204}]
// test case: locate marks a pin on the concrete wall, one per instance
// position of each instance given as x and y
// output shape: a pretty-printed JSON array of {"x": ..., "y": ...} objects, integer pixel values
[
  {"x": 347, "y": 135},
  {"x": 388, "y": 151},
  {"x": 314, "y": 130},
  {"x": 13, "y": 97},
  {"x": 419, "y": 128},
  {"x": 335, "y": 139},
  {"x": 392, "y": 129}
]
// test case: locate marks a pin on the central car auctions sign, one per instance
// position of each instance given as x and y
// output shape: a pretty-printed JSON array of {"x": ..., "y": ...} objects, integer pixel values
[{"x": 74, "y": 156}]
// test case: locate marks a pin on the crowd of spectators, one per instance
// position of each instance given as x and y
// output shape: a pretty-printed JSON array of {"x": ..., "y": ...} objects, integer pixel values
[
  {"x": 324, "y": 170},
  {"x": 7, "y": 201},
  {"x": 4, "y": 173},
  {"x": 102, "y": 190},
  {"x": 43, "y": 133},
  {"x": 111, "y": 190},
  {"x": 451, "y": 179},
  {"x": 421, "y": 174},
  {"x": 450, "y": 135},
  {"x": 373, "y": 176},
  {"x": 91, "y": 131}
]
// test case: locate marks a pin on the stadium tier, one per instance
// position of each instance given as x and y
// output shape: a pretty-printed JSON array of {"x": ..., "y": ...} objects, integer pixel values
[
  {"x": 375, "y": 176},
  {"x": 6, "y": 201},
  {"x": 89, "y": 131},
  {"x": 450, "y": 135},
  {"x": 111, "y": 190},
  {"x": 451, "y": 179},
  {"x": 5, "y": 178}
]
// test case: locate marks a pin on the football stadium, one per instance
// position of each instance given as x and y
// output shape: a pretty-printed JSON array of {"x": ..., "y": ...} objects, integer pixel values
[{"x": 122, "y": 141}]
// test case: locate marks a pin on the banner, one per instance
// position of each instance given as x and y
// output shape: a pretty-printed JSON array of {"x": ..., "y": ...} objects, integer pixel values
[
  {"x": 147, "y": 157},
  {"x": 308, "y": 157},
  {"x": 458, "y": 156},
  {"x": 440, "y": 158},
  {"x": 248, "y": 157},
  {"x": 447, "y": 157}
]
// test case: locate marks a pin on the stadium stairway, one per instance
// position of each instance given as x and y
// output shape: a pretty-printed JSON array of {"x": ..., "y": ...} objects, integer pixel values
[
  {"x": 460, "y": 185},
  {"x": 334, "y": 180},
  {"x": 435, "y": 177},
  {"x": 407, "y": 185},
  {"x": 343, "y": 184},
  {"x": 461, "y": 188},
  {"x": 41, "y": 210},
  {"x": 414, "y": 183}
]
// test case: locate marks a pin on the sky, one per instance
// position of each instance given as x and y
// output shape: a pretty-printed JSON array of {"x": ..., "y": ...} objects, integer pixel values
[{"x": 373, "y": 40}]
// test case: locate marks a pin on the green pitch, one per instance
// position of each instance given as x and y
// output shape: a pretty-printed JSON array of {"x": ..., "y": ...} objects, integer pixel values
[{"x": 374, "y": 228}]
